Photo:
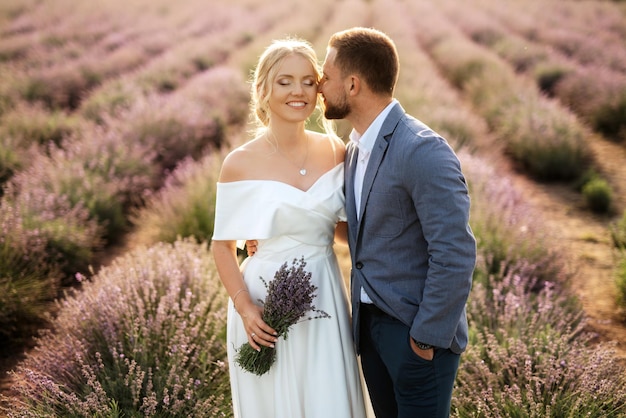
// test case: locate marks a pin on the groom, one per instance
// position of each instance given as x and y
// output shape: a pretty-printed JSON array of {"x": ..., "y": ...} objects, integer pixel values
[{"x": 412, "y": 250}]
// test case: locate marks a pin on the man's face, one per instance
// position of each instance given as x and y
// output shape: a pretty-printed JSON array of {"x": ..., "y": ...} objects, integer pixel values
[{"x": 332, "y": 88}]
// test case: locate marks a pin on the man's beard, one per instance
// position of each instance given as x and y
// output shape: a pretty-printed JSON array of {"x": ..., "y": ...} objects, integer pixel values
[{"x": 337, "y": 111}]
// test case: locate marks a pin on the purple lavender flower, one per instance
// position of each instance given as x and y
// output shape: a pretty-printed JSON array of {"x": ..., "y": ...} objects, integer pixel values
[{"x": 289, "y": 299}]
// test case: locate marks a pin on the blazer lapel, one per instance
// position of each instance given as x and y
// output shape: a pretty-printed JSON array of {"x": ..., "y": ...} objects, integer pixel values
[{"x": 378, "y": 153}]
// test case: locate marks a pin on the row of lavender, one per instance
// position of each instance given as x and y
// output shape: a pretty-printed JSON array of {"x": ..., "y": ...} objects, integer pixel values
[
  {"x": 145, "y": 335},
  {"x": 574, "y": 52}
]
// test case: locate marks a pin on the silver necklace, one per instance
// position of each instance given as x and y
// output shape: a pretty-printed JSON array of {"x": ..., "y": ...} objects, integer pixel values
[{"x": 302, "y": 170}]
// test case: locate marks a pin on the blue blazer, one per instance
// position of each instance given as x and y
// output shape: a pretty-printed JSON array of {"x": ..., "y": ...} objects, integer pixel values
[{"x": 412, "y": 249}]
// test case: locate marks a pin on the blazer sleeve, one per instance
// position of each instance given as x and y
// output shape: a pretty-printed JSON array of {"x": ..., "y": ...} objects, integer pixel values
[{"x": 442, "y": 203}]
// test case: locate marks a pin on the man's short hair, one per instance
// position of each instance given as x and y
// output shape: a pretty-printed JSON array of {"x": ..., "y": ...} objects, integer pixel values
[{"x": 370, "y": 54}]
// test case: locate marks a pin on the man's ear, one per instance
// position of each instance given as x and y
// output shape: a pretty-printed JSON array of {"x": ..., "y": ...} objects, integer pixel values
[{"x": 355, "y": 85}]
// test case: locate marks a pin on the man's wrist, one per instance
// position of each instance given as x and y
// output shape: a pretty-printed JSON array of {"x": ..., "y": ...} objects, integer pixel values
[{"x": 422, "y": 346}]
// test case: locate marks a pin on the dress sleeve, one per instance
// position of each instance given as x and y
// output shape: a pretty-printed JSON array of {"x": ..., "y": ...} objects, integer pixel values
[{"x": 239, "y": 208}]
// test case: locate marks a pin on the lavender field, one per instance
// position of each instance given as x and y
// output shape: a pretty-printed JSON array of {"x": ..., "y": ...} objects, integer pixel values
[{"x": 115, "y": 117}]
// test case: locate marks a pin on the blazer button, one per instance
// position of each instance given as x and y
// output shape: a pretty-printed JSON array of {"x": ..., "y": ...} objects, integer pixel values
[{"x": 358, "y": 265}]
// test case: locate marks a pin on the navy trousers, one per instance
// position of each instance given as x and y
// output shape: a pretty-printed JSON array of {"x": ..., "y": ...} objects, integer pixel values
[{"x": 400, "y": 383}]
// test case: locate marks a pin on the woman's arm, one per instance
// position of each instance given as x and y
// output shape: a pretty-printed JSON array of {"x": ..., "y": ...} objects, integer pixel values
[{"x": 259, "y": 333}]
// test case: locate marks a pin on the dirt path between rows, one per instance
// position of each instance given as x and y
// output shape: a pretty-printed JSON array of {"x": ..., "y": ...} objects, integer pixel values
[{"x": 586, "y": 241}]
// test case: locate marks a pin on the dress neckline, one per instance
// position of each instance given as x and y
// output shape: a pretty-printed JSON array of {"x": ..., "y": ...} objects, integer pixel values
[{"x": 285, "y": 183}]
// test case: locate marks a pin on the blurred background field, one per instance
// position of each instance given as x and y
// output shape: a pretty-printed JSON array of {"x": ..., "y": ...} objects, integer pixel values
[{"x": 114, "y": 119}]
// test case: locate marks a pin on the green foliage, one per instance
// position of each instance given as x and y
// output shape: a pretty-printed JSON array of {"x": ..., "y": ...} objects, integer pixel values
[
  {"x": 610, "y": 118},
  {"x": 618, "y": 232},
  {"x": 548, "y": 76},
  {"x": 620, "y": 279},
  {"x": 598, "y": 195},
  {"x": 585, "y": 177}
]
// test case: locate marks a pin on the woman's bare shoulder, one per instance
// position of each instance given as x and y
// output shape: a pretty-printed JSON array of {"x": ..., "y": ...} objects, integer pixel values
[
  {"x": 332, "y": 142},
  {"x": 241, "y": 162}
]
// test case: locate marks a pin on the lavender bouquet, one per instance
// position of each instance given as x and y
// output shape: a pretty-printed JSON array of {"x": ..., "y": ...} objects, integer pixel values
[{"x": 289, "y": 298}]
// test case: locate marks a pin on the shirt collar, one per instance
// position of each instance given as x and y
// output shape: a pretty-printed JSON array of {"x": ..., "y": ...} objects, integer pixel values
[{"x": 365, "y": 142}]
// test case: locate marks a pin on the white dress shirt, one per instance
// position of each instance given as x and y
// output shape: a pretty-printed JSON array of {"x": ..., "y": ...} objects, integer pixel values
[{"x": 365, "y": 144}]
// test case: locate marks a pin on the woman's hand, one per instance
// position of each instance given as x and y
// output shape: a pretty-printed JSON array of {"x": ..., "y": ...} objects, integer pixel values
[{"x": 259, "y": 333}]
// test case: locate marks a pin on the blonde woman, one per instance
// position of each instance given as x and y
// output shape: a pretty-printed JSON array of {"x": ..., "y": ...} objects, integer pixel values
[{"x": 284, "y": 188}]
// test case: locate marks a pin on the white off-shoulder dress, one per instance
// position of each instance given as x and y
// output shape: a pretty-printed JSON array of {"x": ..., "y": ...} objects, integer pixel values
[{"x": 316, "y": 372}]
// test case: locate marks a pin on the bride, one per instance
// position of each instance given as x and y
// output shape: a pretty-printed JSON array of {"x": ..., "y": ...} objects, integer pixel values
[{"x": 284, "y": 188}]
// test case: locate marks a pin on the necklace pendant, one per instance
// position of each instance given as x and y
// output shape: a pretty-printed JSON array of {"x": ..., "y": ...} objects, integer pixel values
[{"x": 303, "y": 171}]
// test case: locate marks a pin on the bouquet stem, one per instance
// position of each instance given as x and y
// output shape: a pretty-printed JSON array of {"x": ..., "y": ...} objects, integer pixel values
[{"x": 257, "y": 362}]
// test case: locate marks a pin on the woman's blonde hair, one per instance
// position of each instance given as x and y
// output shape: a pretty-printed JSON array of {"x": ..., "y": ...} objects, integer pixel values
[{"x": 266, "y": 71}]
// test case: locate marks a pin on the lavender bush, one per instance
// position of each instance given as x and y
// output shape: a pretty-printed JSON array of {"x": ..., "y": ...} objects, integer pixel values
[
  {"x": 543, "y": 138},
  {"x": 507, "y": 228},
  {"x": 26, "y": 131},
  {"x": 28, "y": 279},
  {"x": 71, "y": 238},
  {"x": 58, "y": 87},
  {"x": 110, "y": 99},
  {"x": 597, "y": 94},
  {"x": 77, "y": 194},
  {"x": 102, "y": 173},
  {"x": 145, "y": 337},
  {"x": 186, "y": 123},
  {"x": 184, "y": 207},
  {"x": 529, "y": 356},
  {"x": 34, "y": 125},
  {"x": 171, "y": 127}
]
